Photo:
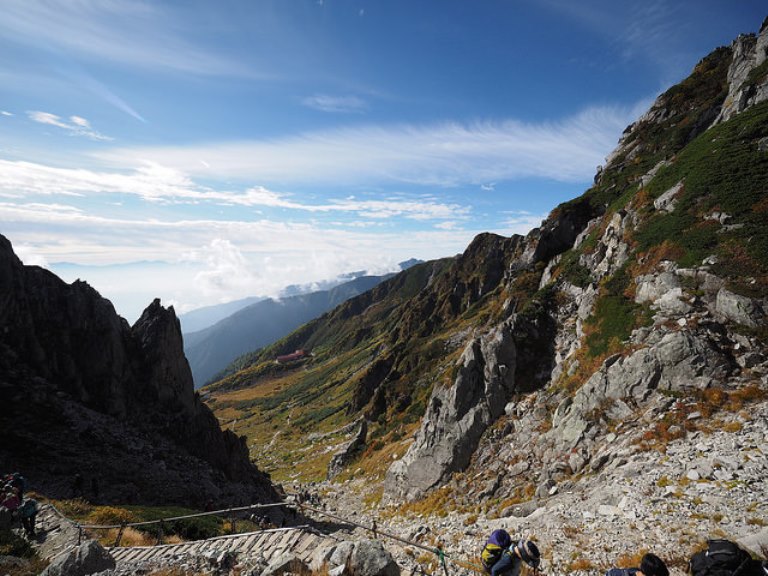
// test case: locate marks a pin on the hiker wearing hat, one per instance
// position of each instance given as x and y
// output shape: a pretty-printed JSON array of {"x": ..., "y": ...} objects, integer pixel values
[
  {"x": 650, "y": 565},
  {"x": 502, "y": 557}
]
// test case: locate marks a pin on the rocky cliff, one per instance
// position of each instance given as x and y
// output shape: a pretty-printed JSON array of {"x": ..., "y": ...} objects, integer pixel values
[
  {"x": 84, "y": 392},
  {"x": 653, "y": 284}
]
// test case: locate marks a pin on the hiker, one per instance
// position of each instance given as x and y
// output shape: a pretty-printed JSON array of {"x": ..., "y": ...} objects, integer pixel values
[
  {"x": 724, "y": 558},
  {"x": 10, "y": 498},
  {"x": 502, "y": 557},
  {"x": 19, "y": 482},
  {"x": 650, "y": 565},
  {"x": 28, "y": 513}
]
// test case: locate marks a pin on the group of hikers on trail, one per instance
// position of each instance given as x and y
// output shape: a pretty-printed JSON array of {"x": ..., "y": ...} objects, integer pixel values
[
  {"x": 503, "y": 556},
  {"x": 14, "y": 506}
]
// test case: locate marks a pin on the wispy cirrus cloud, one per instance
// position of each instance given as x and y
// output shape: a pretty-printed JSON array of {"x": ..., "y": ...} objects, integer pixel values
[
  {"x": 341, "y": 104},
  {"x": 446, "y": 154},
  {"x": 5, "y": 113},
  {"x": 76, "y": 126},
  {"x": 655, "y": 29},
  {"x": 119, "y": 31}
]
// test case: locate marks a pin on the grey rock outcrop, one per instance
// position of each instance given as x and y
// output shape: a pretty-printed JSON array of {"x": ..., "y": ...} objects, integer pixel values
[
  {"x": 678, "y": 361},
  {"x": 88, "y": 558},
  {"x": 749, "y": 52},
  {"x": 348, "y": 451},
  {"x": 612, "y": 250},
  {"x": 457, "y": 415},
  {"x": 662, "y": 290},
  {"x": 667, "y": 201}
]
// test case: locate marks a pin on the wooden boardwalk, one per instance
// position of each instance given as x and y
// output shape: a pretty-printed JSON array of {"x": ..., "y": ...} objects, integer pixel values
[
  {"x": 269, "y": 544},
  {"x": 60, "y": 535}
]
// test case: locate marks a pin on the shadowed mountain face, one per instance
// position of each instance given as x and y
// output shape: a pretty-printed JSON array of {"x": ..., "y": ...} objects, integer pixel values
[{"x": 84, "y": 392}]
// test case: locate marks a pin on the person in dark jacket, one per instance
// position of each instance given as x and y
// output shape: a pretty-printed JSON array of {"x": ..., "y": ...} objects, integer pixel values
[
  {"x": 650, "y": 565},
  {"x": 502, "y": 557},
  {"x": 28, "y": 514}
]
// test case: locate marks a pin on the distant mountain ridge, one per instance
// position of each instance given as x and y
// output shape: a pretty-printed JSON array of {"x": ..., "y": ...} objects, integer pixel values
[
  {"x": 212, "y": 349},
  {"x": 201, "y": 318}
]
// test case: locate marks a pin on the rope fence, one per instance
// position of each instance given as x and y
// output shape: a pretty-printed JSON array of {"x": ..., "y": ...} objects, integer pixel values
[
  {"x": 442, "y": 557},
  {"x": 438, "y": 550}
]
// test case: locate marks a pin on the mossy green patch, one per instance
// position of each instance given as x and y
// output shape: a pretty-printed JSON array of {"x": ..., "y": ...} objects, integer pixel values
[{"x": 724, "y": 171}]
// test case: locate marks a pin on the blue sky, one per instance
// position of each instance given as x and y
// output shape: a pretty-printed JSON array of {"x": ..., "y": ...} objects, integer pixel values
[{"x": 202, "y": 151}]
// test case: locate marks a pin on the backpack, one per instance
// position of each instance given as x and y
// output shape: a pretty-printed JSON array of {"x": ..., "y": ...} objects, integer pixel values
[
  {"x": 490, "y": 555},
  {"x": 723, "y": 558},
  {"x": 28, "y": 508},
  {"x": 494, "y": 548}
]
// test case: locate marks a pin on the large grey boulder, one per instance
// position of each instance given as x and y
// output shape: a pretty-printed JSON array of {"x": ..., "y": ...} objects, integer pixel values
[
  {"x": 738, "y": 309},
  {"x": 369, "y": 558},
  {"x": 652, "y": 287},
  {"x": 358, "y": 558},
  {"x": 457, "y": 416},
  {"x": 88, "y": 558},
  {"x": 286, "y": 564}
]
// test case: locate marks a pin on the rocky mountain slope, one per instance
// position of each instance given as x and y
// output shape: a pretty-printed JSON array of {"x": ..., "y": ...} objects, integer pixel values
[
  {"x": 609, "y": 368},
  {"x": 84, "y": 392}
]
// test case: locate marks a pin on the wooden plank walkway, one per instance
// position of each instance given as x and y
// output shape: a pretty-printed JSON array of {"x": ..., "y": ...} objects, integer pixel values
[{"x": 300, "y": 541}]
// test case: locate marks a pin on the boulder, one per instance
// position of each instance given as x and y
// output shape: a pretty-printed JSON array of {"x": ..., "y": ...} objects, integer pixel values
[
  {"x": 652, "y": 287},
  {"x": 286, "y": 563},
  {"x": 667, "y": 201},
  {"x": 738, "y": 309},
  {"x": 358, "y": 558},
  {"x": 369, "y": 558},
  {"x": 88, "y": 558}
]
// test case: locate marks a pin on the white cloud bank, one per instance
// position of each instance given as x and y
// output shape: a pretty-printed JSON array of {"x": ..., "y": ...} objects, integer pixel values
[{"x": 198, "y": 262}]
